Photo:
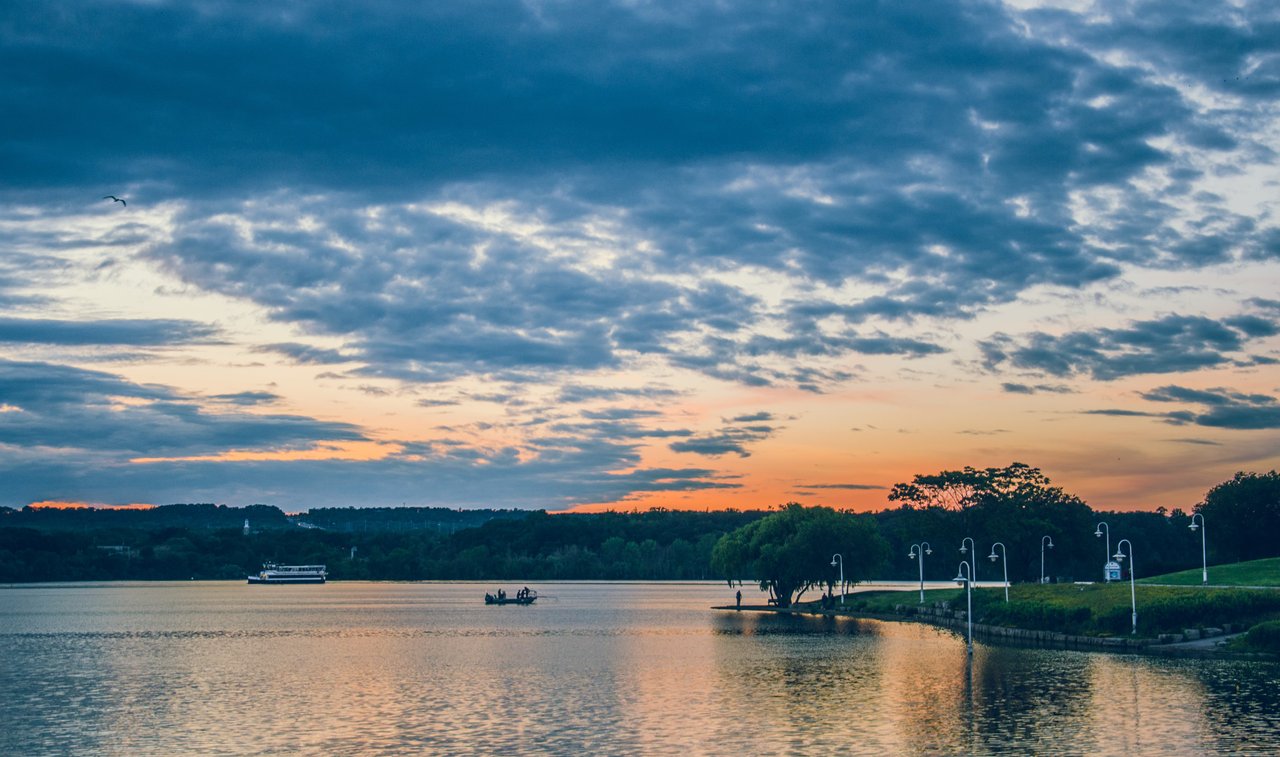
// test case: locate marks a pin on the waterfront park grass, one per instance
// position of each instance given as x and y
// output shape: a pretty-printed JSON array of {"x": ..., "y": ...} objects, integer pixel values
[
  {"x": 1253, "y": 573},
  {"x": 1098, "y": 609}
]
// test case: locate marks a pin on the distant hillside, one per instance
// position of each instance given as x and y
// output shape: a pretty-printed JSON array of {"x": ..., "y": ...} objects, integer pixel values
[
  {"x": 439, "y": 520},
  {"x": 192, "y": 516}
]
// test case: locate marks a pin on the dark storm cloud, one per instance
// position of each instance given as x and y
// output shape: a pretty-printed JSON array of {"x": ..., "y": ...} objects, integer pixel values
[
  {"x": 622, "y": 170},
  {"x": 422, "y": 304},
  {"x": 617, "y": 430},
  {"x": 1016, "y": 388},
  {"x": 44, "y": 387},
  {"x": 1174, "y": 343},
  {"x": 449, "y": 478},
  {"x": 17, "y": 272},
  {"x": 133, "y": 333},
  {"x": 71, "y": 433},
  {"x": 305, "y": 354},
  {"x": 56, "y": 406},
  {"x": 578, "y": 393},
  {"x": 848, "y": 487},
  {"x": 1122, "y": 413},
  {"x": 247, "y": 398},
  {"x": 928, "y": 151},
  {"x": 730, "y": 439},
  {"x": 1227, "y": 49},
  {"x": 1221, "y": 408},
  {"x": 1217, "y": 408}
]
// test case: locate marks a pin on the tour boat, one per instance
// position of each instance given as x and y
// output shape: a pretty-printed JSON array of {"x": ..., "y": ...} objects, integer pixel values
[{"x": 289, "y": 574}]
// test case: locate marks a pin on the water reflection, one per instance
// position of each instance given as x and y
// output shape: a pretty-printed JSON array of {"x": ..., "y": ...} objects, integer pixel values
[{"x": 602, "y": 669}]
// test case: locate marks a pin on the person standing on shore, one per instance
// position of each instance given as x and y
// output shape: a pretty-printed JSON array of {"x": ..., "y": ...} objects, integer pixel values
[{"x": 739, "y": 599}]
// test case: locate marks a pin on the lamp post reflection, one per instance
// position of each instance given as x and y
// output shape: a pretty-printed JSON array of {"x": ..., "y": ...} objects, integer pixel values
[
  {"x": 1043, "y": 539},
  {"x": 1204, "y": 555},
  {"x": 1004, "y": 559},
  {"x": 834, "y": 559},
  {"x": 1133, "y": 597},
  {"x": 920, "y": 550},
  {"x": 963, "y": 576}
]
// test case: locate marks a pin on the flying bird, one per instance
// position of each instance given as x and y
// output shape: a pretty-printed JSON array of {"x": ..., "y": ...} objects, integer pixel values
[{"x": 117, "y": 199}]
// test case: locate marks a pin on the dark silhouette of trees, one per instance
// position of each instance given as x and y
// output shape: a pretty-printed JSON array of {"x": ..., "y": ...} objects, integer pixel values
[
  {"x": 1016, "y": 505},
  {"x": 1242, "y": 516}
]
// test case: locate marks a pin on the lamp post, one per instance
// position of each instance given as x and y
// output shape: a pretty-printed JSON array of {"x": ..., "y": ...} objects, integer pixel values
[
  {"x": 1004, "y": 558},
  {"x": 1043, "y": 539},
  {"x": 1098, "y": 532},
  {"x": 1204, "y": 556},
  {"x": 1133, "y": 598},
  {"x": 964, "y": 576},
  {"x": 834, "y": 559},
  {"x": 919, "y": 550},
  {"x": 973, "y": 568}
]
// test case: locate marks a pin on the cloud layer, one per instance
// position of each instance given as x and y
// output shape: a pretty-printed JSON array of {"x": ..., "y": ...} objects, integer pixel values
[{"x": 590, "y": 214}]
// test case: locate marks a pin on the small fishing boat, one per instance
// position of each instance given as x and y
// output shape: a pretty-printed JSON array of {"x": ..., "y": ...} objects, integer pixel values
[{"x": 525, "y": 596}]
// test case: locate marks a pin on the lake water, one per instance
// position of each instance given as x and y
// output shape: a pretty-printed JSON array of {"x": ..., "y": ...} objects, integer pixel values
[{"x": 615, "y": 669}]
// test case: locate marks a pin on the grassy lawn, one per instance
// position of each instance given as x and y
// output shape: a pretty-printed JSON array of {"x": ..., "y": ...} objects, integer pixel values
[
  {"x": 1253, "y": 573},
  {"x": 1095, "y": 609}
]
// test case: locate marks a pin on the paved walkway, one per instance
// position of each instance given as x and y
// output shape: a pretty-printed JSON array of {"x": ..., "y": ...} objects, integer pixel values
[
  {"x": 1213, "y": 642},
  {"x": 1214, "y": 586}
]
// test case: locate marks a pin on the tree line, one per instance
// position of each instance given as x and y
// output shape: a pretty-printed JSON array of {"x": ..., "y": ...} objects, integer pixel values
[{"x": 790, "y": 548}]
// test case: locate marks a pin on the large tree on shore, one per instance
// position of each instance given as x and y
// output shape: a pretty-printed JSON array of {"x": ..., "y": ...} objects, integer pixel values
[
  {"x": 1243, "y": 516},
  {"x": 1016, "y": 505},
  {"x": 790, "y": 551}
]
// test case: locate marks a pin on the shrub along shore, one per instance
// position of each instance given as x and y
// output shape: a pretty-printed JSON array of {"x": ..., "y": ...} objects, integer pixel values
[{"x": 1096, "y": 616}]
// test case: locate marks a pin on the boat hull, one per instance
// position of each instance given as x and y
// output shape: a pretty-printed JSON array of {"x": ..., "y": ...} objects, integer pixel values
[
  {"x": 519, "y": 598},
  {"x": 281, "y": 580}
]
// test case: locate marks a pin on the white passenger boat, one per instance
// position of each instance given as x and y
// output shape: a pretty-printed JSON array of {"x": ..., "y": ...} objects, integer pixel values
[{"x": 289, "y": 574}]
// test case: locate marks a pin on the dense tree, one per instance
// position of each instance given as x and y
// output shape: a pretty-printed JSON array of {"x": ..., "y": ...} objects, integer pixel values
[
  {"x": 790, "y": 551},
  {"x": 1016, "y": 505},
  {"x": 1243, "y": 516}
]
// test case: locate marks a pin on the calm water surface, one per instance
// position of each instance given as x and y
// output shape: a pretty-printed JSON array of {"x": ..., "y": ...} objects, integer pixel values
[{"x": 427, "y": 668}]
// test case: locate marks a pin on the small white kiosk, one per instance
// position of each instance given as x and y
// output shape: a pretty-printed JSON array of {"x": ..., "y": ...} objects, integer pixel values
[{"x": 1111, "y": 571}]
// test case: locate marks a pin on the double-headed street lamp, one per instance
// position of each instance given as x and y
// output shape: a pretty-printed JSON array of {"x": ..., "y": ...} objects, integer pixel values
[
  {"x": 973, "y": 567},
  {"x": 1204, "y": 556},
  {"x": 834, "y": 559},
  {"x": 1133, "y": 599},
  {"x": 919, "y": 551},
  {"x": 1098, "y": 532},
  {"x": 964, "y": 576},
  {"x": 1004, "y": 557},
  {"x": 1044, "y": 539}
]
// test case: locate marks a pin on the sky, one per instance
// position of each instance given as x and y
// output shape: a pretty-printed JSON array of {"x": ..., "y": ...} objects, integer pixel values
[{"x": 588, "y": 255}]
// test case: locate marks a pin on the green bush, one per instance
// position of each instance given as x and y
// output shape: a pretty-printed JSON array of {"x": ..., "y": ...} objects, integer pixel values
[
  {"x": 1264, "y": 637},
  {"x": 1036, "y": 615},
  {"x": 1173, "y": 613}
]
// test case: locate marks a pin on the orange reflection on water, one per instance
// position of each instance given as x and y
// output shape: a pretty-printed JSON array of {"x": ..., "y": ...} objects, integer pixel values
[{"x": 1144, "y": 707}]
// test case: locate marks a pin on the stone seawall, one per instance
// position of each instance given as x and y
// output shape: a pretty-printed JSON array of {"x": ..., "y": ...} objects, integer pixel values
[{"x": 941, "y": 614}]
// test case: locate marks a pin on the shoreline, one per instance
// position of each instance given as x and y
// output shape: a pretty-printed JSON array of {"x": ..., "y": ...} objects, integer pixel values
[{"x": 1206, "y": 647}]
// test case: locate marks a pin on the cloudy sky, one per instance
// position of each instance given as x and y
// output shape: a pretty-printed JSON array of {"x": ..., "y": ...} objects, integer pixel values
[{"x": 570, "y": 253}]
